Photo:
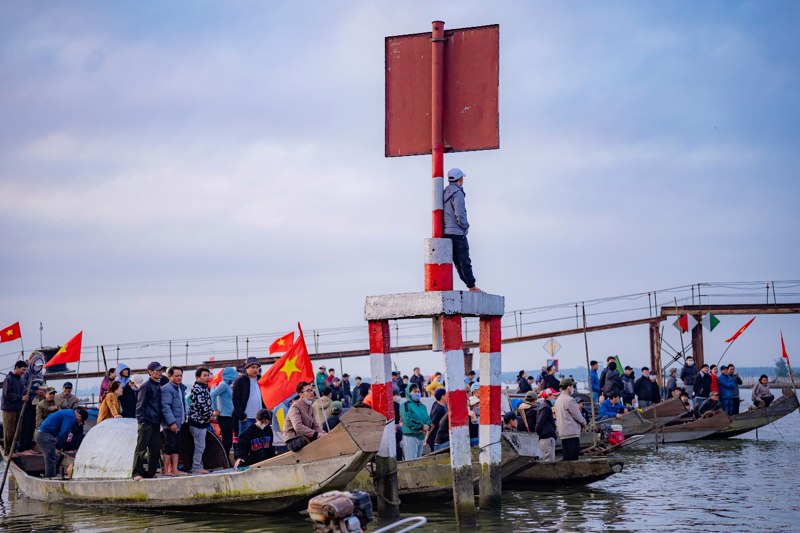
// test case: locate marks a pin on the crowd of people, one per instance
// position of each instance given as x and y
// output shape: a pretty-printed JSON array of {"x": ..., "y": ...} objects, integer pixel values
[{"x": 172, "y": 418}]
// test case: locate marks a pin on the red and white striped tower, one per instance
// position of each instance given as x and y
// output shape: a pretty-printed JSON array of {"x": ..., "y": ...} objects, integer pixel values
[
  {"x": 460, "y": 454},
  {"x": 382, "y": 401},
  {"x": 490, "y": 486}
]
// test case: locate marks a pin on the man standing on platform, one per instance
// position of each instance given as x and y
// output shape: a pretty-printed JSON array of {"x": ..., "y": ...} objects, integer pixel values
[
  {"x": 148, "y": 417},
  {"x": 456, "y": 226},
  {"x": 14, "y": 395},
  {"x": 247, "y": 399}
]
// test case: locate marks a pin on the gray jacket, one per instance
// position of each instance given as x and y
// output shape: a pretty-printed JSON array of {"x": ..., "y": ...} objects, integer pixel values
[
  {"x": 569, "y": 420},
  {"x": 172, "y": 406},
  {"x": 455, "y": 211}
]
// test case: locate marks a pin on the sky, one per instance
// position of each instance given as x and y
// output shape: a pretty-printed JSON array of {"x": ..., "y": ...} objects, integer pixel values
[{"x": 177, "y": 170}]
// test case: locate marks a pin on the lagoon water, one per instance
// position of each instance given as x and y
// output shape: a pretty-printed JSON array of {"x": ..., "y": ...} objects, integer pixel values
[{"x": 740, "y": 484}]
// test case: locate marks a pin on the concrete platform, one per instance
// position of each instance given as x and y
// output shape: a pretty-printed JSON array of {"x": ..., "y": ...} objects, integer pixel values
[{"x": 433, "y": 304}]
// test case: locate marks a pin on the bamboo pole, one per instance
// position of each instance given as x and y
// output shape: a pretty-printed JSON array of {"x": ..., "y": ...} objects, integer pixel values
[{"x": 589, "y": 370}]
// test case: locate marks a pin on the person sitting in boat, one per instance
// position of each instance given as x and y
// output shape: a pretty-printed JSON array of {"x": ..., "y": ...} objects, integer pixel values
[
  {"x": 612, "y": 407},
  {"x": 546, "y": 426},
  {"x": 711, "y": 406},
  {"x": 109, "y": 407},
  {"x": 762, "y": 397},
  {"x": 416, "y": 423},
  {"x": 522, "y": 383},
  {"x": 256, "y": 443},
  {"x": 526, "y": 411},
  {"x": 108, "y": 379},
  {"x": 300, "y": 426},
  {"x": 336, "y": 412},
  {"x": 52, "y": 435},
  {"x": 684, "y": 397},
  {"x": 322, "y": 406},
  {"x": 67, "y": 400},
  {"x": 46, "y": 405},
  {"x": 510, "y": 421},
  {"x": 582, "y": 408}
]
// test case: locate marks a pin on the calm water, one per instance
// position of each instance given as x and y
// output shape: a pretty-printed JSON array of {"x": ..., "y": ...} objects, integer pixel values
[{"x": 741, "y": 484}]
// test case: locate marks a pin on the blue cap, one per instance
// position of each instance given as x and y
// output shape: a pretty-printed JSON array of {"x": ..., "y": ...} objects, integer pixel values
[{"x": 455, "y": 174}]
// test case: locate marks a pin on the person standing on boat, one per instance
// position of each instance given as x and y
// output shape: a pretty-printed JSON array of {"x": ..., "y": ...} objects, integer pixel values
[
  {"x": 201, "y": 414},
  {"x": 550, "y": 380},
  {"x": 702, "y": 386},
  {"x": 522, "y": 383},
  {"x": 715, "y": 379},
  {"x": 419, "y": 379},
  {"x": 109, "y": 407},
  {"x": 108, "y": 379},
  {"x": 646, "y": 393},
  {"x": 52, "y": 434},
  {"x": 727, "y": 384},
  {"x": 611, "y": 381},
  {"x": 222, "y": 400},
  {"x": 526, "y": 411},
  {"x": 256, "y": 444},
  {"x": 148, "y": 417},
  {"x": 628, "y": 382},
  {"x": 346, "y": 389},
  {"x": 456, "y": 226},
  {"x": 14, "y": 395},
  {"x": 610, "y": 359},
  {"x": 321, "y": 377},
  {"x": 569, "y": 421},
  {"x": 130, "y": 391},
  {"x": 737, "y": 381},
  {"x": 300, "y": 426},
  {"x": 546, "y": 426},
  {"x": 36, "y": 379},
  {"x": 173, "y": 409},
  {"x": 594, "y": 380},
  {"x": 672, "y": 383},
  {"x": 688, "y": 373},
  {"x": 247, "y": 396},
  {"x": 438, "y": 410},
  {"x": 416, "y": 423}
]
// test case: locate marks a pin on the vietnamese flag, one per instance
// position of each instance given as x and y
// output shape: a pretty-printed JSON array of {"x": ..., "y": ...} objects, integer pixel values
[
  {"x": 69, "y": 353},
  {"x": 280, "y": 381},
  {"x": 11, "y": 333},
  {"x": 283, "y": 344},
  {"x": 216, "y": 380},
  {"x": 783, "y": 349},
  {"x": 741, "y": 330}
]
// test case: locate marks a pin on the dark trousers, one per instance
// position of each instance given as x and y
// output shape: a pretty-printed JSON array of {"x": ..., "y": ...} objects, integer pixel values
[
  {"x": 148, "y": 443},
  {"x": 27, "y": 429},
  {"x": 461, "y": 259},
  {"x": 10, "y": 419},
  {"x": 226, "y": 428},
  {"x": 571, "y": 448},
  {"x": 727, "y": 405},
  {"x": 47, "y": 443},
  {"x": 735, "y": 406}
]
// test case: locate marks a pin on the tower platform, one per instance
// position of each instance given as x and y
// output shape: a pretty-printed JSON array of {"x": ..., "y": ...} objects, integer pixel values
[{"x": 433, "y": 304}]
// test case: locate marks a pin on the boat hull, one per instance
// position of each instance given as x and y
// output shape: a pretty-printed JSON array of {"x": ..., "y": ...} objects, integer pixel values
[
  {"x": 756, "y": 418},
  {"x": 564, "y": 474},
  {"x": 279, "y": 483}
]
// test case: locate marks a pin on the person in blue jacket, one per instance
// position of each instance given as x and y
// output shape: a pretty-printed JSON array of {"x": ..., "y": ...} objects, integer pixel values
[
  {"x": 612, "y": 407},
  {"x": 51, "y": 435},
  {"x": 222, "y": 401},
  {"x": 594, "y": 378},
  {"x": 727, "y": 386}
]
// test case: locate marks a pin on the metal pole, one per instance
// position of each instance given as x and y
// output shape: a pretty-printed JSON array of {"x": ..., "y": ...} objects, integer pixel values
[
  {"x": 170, "y": 353},
  {"x": 77, "y": 376},
  {"x": 41, "y": 329},
  {"x": 105, "y": 363},
  {"x": 589, "y": 370},
  {"x": 437, "y": 125},
  {"x": 187, "y": 352}
]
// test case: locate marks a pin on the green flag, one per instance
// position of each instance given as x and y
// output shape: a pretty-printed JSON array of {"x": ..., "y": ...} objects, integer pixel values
[{"x": 710, "y": 322}]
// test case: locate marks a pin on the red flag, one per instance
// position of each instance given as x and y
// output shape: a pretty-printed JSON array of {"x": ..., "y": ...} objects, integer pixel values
[
  {"x": 783, "y": 349},
  {"x": 216, "y": 380},
  {"x": 741, "y": 330},
  {"x": 282, "y": 345},
  {"x": 69, "y": 353},
  {"x": 11, "y": 333},
  {"x": 280, "y": 381}
]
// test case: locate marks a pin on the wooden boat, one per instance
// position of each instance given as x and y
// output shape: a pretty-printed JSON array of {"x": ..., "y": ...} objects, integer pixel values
[
  {"x": 681, "y": 431},
  {"x": 430, "y": 476},
  {"x": 103, "y": 465},
  {"x": 759, "y": 417},
  {"x": 668, "y": 408},
  {"x": 564, "y": 473}
]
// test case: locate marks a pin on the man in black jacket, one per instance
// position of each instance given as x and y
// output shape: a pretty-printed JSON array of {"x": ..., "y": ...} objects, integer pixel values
[
  {"x": 551, "y": 381},
  {"x": 546, "y": 426},
  {"x": 702, "y": 385},
  {"x": 644, "y": 390},
  {"x": 247, "y": 396},
  {"x": 148, "y": 416},
  {"x": 13, "y": 398},
  {"x": 256, "y": 443}
]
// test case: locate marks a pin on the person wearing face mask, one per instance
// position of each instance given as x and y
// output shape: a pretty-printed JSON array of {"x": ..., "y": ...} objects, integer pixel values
[
  {"x": 416, "y": 423},
  {"x": 646, "y": 389},
  {"x": 256, "y": 443},
  {"x": 300, "y": 426}
]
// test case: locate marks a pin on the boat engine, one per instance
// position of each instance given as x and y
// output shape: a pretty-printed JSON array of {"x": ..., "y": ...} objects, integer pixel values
[{"x": 340, "y": 512}]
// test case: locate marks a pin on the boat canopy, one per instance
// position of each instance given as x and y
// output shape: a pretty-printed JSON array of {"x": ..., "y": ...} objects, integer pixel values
[{"x": 107, "y": 451}]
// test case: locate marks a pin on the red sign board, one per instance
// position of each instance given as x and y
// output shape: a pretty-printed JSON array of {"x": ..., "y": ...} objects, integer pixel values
[{"x": 471, "y": 80}]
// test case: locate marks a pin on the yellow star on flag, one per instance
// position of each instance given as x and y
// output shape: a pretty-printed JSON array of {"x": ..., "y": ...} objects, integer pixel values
[
  {"x": 289, "y": 367},
  {"x": 63, "y": 348},
  {"x": 281, "y": 342},
  {"x": 10, "y": 332}
]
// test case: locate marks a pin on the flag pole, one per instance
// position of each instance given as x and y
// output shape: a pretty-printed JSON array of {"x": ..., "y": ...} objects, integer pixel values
[
  {"x": 683, "y": 348},
  {"x": 788, "y": 364},
  {"x": 726, "y": 351},
  {"x": 77, "y": 375}
]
